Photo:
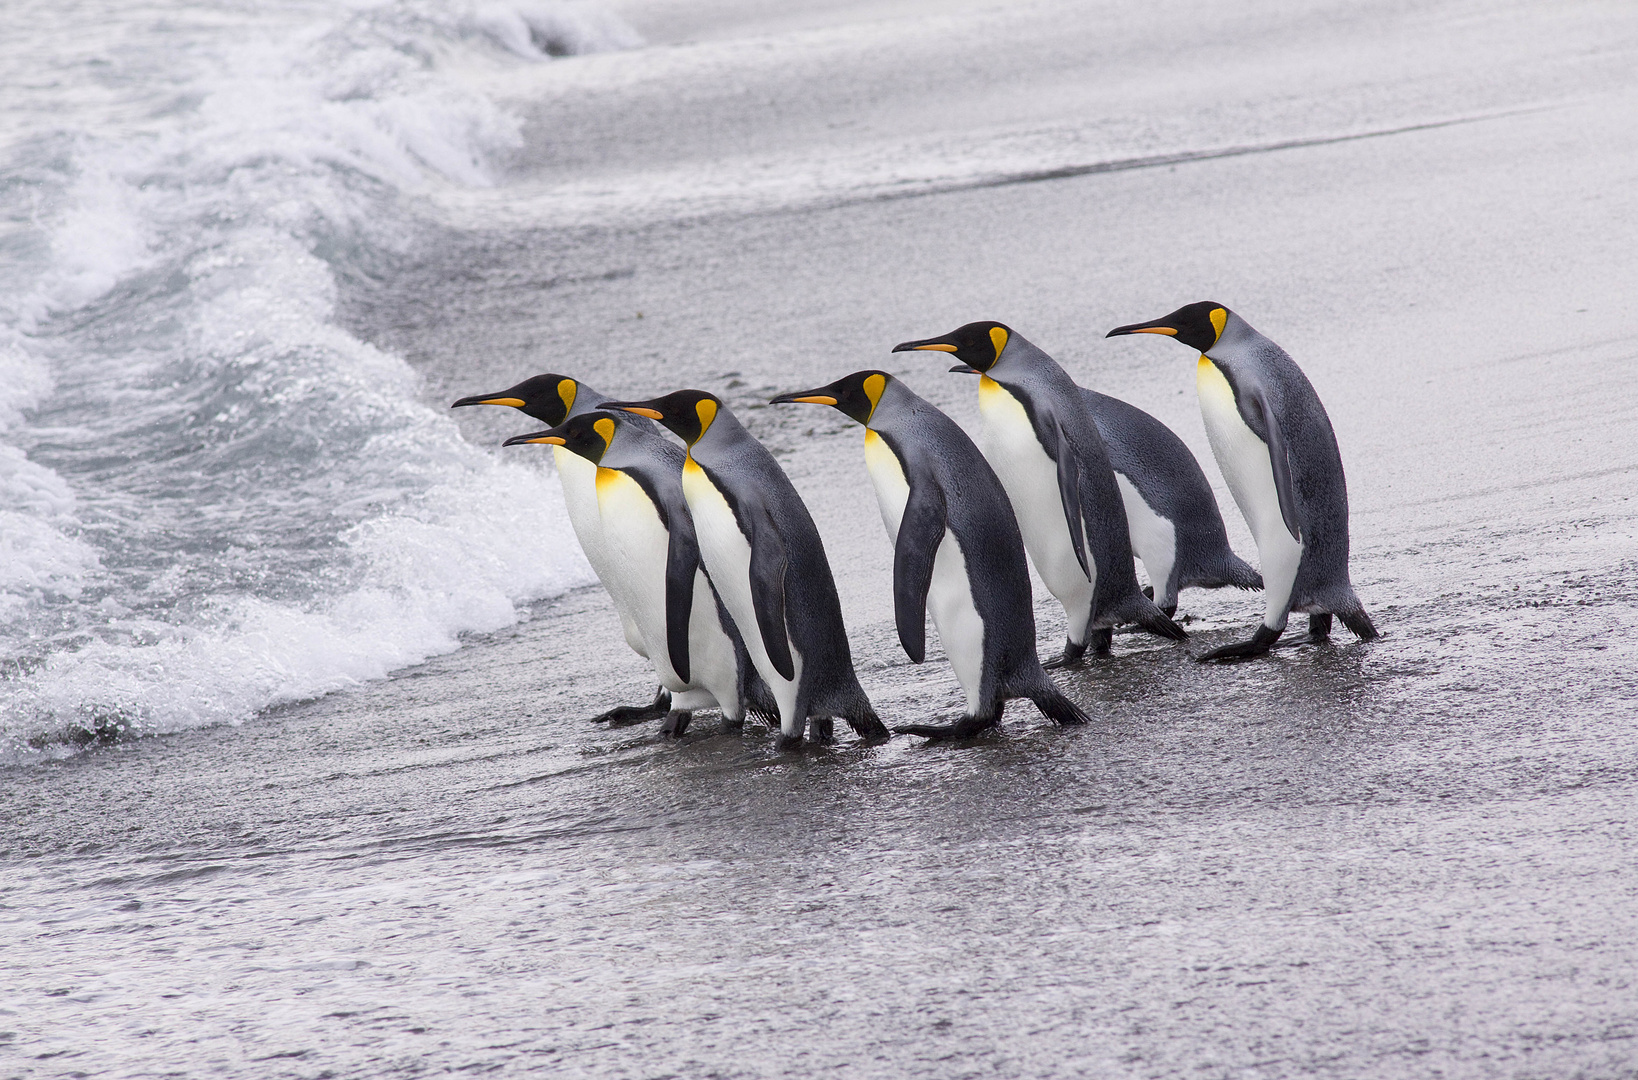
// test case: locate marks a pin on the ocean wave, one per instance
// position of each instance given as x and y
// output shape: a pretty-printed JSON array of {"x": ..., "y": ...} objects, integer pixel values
[{"x": 215, "y": 499}]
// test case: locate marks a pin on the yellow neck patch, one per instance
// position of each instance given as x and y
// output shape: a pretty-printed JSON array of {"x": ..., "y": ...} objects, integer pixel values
[
  {"x": 706, "y": 410},
  {"x": 605, "y": 428},
  {"x": 1219, "y": 318},
  {"x": 873, "y": 387},
  {"x": 998, "y": 338}
]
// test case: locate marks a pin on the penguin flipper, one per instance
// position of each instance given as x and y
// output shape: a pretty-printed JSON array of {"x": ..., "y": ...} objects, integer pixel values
[
  {"x": 1279, "y": 458},
  {"x": 682, "y": 562},
  {"x": 768, "y": 564},
  {"x": 921, "y": 531},
  {"x": 1069, "y": 491}
]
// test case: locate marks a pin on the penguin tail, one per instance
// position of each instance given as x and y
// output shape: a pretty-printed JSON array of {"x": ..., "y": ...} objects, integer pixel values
[
  {"x": 867, "y": 725},
  {"x": 1354, "y": 618},
  {"x": 1152, "y": 619},
  {"x": 1238, "y": 572},
  {"x": 1057, "y": 708},
  {"x": 1228, "y": 570}
]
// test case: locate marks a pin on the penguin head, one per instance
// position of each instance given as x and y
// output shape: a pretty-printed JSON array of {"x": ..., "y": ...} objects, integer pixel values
[
  {"x": 547, "y": 398},
  {"x": 978, "y": 345},
  {"x": 688, "y": 414},
  {"x": 856, "y": 395},
  {"x": 589, "y": 435},
  {"x": 1196, "y": 325}
]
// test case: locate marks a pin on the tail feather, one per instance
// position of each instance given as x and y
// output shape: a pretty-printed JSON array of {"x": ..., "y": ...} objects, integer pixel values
[
  {"x": 1059, "y": 709},
  {"x": 1152, "y": 619},
  {"x": 1229, "y": 570},
  {"x": 1360, "y": 623}
]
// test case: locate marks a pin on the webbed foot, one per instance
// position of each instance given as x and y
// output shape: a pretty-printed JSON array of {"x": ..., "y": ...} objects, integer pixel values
[
  {"x": 1071, "y": 657},
  {"x": 965, "y": 728},
  {"x": 676, "y": 722},
  {"x": 1319, "y": 627},
  {"x": 1241, "y": 650},
  {"x": 626, "y": 715}
]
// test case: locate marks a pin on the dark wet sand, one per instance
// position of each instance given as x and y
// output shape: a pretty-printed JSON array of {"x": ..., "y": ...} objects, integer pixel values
[{"x": 1412, "y": 858}]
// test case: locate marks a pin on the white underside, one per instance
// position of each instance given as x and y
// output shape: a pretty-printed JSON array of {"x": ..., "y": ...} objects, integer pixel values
[
  {"x": 727, "y": 555},
  {"x": 637, "y": 544},
  {"x": 1246, "y": 466},
  {"x": 579, "y": 479},
  {"x": 1154, "y": 540},
  {"x": 1031, "y": 479},
  {"x": 949, "y": 598}
]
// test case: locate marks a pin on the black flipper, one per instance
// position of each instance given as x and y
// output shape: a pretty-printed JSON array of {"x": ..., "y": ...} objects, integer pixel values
[
  {"x": 622, "y": 715},
  {"x": 681, "y": 563},
  {"x": 1277, "y": 456},
  {"x": 1069, "y": 492},
  {"x": 1259, "y": 644},
  {"x": 921, "y": 531},
  {"x": 768, "y": 592}
]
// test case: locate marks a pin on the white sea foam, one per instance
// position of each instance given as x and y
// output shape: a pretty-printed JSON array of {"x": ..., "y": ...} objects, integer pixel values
[{"x": 212, "y": 498}]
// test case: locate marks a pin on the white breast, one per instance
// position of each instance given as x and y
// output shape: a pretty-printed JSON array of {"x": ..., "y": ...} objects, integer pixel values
[
  {"x": 727, "y": 555},
  {"x": 636, "y": 545},
  {"x": 949, "y": 597},
  {"x": 1154, "y": 539},
  {"x": 1031, "y": 480},
  {"x": 1246, "y": 466},
  {"x": 579, "y": 479}
]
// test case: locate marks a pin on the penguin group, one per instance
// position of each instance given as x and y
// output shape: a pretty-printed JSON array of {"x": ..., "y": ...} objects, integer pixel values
[{"x": 721, "y": 581}]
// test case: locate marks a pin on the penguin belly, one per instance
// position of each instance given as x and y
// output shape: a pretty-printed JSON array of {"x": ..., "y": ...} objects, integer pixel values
[
  {"x": 1030, "y": 477},
  {"x": 579, "y": 480},
  {"x": 639, "y": 545},
  {"x": 949, "y": 597},
  {"x": 1154, "y": 539},
  {"x": 1243, "y": 457},
  {"x": 727, "y": 556}
]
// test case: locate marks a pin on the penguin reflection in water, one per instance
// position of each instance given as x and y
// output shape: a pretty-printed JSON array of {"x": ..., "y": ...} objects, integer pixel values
[
  {"x": 1045, "y": 447},
  {"x": 1274, "y": 443},
  {"x": 552, "y": 399},
  {"x": 957, "y": 552},
  {"x": 766, "y": 559},
  {"x": 656, "y": 570}
]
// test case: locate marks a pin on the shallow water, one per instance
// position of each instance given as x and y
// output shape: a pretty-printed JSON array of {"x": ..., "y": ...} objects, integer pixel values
[{"x": 1406, "y": 858}]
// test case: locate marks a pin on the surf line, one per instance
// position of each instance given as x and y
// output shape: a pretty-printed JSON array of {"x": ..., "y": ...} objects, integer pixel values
[{"x": 1181, "y": 157}]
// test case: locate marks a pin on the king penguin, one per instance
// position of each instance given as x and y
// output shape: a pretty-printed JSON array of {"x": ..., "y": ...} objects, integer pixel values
[
  {"x": 957, "y": 551},
  {"x": 1274, "y": 443},
  {"x": 768, "y": 563},
  {"x": 1045, "y": 447},
  {"x": 552, "y": 399},
  {"x": 697, "y": 651}
]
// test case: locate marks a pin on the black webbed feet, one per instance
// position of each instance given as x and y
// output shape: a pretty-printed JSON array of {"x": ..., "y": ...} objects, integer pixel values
[
  {"x": 676, "y": 722},
  {"x": 1259, "y": 644},
  {"x": 965, "y": 728},
  {"x": 1072, "y": 656},
  {"x": 626, "y": 715},
  {"x": 1319, "y": 627}
]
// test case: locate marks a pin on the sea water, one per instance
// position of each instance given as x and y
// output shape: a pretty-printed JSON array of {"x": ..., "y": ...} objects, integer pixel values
[{"x": 212, "y": 497}]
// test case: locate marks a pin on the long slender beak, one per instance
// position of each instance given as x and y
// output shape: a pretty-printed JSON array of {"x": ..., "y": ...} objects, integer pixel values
[
  {"x": 925, "y": 345},
  {"x": 638, "y": 408},
  {"x": 490, "y": 399},
  {"x": 966, "y": 369},
  {"x": 804, "y": 397},
  {"x": 1158, "y": 326},
  {"x": 536, "y": 437}
]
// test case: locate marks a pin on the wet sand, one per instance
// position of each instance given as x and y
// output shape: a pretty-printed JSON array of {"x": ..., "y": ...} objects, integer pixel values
[{"x": 1405, "y": 858}]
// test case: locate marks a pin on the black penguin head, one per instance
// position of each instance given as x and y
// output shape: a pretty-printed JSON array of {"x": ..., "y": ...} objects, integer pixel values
[
  {"x": 978, "y": 345},
  {"x": 687, "y": 413},
  {"x": 857, "y": 394},
  {"x": 1196, "y": 325},
  {"x": 547, "y": 398},
  {"x": 588, "y": 435}
]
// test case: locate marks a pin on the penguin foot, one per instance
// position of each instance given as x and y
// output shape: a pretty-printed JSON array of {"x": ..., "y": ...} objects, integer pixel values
[
  {"x": 1241, "y": 650},
  {"x": 626, "y": 715},
  {"x": 1099, "y": 641},
  {"x": 822, "y": 730},
  {"x": 676, "y": 722},
  {"x": 1149, "y": 591},
  {"x": 1319, "y": 627},
  {"x": 965, "y": 728},
  {"x": 1170, "y": 611},
  {"x": 1071, "y": 657}
]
